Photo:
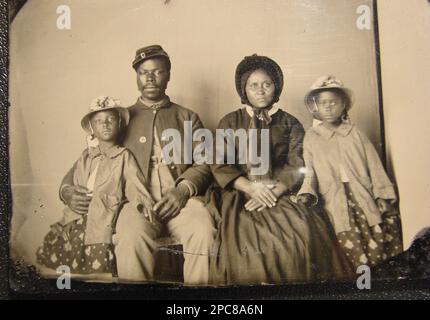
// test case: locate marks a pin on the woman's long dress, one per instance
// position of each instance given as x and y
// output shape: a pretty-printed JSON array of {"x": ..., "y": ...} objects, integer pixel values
[{"x": 286, "y": 243}]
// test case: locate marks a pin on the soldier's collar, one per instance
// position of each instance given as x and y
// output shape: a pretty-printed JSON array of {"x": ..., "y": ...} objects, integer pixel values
[{"x": 161, "y": 104}]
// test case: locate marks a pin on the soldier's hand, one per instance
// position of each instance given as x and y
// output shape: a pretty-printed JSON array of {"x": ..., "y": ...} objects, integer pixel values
[
  {"x": 172, "y": 203},
  {"x": 76, "y": 198}
]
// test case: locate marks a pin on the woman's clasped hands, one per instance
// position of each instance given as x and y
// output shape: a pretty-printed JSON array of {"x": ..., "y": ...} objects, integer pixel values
[{"x": 263, "y": 195}]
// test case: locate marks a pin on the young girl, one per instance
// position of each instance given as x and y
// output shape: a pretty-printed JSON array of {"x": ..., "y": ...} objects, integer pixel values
[
  {"x": 345, "y": 174},
  {"x": 109, "y": 175}
]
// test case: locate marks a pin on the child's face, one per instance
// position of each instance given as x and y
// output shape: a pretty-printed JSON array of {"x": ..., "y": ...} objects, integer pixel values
[
  {"x": 260, "y": 89},
  {"x": 105, "y": 125},
  {"x": 330, "y": 107}
]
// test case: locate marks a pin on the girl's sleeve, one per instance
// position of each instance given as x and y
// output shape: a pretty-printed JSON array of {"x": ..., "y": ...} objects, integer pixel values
[
  {"x": 68, "y": 178},
  {"x": 135, "y": 190},
  {"x": 309, "y": 184},
  {"x": 223, "y": 172},
  {"x": 291, "y": 173},
  {"x": 67, "y": 181},
  {"x": 381, "y": 184}
]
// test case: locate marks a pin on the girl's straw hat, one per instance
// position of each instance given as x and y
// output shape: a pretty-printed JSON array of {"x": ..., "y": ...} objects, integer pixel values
[
  {"x": 326, "y": 83},
  {"x": 104, "y": 103}
]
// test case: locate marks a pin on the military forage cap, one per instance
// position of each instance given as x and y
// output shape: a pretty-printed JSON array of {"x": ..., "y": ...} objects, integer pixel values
[{"x": 149, "y": 52}]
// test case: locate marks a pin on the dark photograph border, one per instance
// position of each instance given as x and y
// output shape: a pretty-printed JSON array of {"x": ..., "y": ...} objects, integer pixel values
[{"x": 411, "y": 268}]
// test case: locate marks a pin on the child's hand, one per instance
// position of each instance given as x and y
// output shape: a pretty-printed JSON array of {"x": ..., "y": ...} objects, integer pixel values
[
  {"x": 306, "y": 199},
  {"x": 146, "y": 209},
  {"x": 279, "y": 189},
  {"x": 383, "y": 205},
  {"x": 149, "y": 214}
]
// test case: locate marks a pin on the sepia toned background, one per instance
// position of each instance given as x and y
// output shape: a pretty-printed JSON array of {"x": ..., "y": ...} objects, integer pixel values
[{"x": 54, "y": 74}]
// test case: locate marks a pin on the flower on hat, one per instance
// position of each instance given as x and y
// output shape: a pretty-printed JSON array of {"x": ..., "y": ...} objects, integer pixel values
[
  {"x": 327, "y": 81},
  {"x": 103, "y": 102}
]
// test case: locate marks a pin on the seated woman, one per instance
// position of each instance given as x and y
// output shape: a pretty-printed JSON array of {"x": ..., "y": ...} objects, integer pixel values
[{"x": 264, "y": 235}]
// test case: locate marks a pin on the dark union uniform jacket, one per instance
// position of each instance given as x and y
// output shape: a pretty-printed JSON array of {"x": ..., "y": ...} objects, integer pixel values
[{"x": 140, "y": 136}]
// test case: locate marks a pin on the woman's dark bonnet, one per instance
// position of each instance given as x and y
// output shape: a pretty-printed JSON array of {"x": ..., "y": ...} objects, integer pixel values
[{"x": 251, "y": 63}]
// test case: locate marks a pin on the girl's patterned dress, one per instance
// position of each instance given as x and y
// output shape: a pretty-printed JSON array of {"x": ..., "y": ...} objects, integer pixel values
[
  {"x": 370, "y": 245},
  {"x": 64, "y": 246}
]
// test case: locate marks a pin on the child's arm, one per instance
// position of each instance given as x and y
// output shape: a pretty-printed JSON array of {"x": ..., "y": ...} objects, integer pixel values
[
  {"x": 308, "y": 192},
  {"x": 381, "y": 184},
  {"x": 135, "y": 190}
]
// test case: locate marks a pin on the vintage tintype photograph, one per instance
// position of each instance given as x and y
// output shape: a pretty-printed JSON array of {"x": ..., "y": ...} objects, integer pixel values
[{"x": 202, "y": 143}]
